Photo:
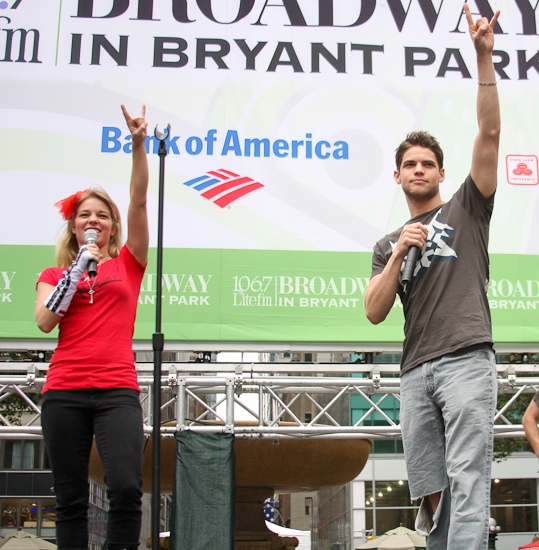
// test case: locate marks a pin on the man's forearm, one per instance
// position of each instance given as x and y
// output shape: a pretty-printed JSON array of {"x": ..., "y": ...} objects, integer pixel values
[
  {"x": 488, "y": 105},
  {"x": 380, "y": 295}
]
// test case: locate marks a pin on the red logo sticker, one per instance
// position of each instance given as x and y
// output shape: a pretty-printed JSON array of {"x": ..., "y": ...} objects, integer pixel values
[{"x": 522, "y": 170}]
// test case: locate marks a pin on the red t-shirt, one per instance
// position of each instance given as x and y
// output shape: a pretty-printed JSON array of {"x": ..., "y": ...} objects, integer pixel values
[{"x": 95, "y": 340}]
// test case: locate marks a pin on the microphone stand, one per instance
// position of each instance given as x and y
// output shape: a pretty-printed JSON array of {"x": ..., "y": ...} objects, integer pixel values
[{"x": 158, "y": 343}]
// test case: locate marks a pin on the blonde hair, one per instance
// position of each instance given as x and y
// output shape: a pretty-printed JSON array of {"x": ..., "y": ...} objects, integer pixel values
[{"x": 67, "y": 246}]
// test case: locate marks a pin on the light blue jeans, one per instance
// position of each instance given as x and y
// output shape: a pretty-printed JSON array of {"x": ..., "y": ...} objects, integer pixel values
[{"x": 447, "y": 409}]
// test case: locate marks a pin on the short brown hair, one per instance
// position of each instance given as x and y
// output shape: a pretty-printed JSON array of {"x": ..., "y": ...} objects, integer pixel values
[{"x": 422, "y": 139}]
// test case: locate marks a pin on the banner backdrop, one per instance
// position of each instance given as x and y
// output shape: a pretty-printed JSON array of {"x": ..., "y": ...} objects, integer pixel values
[{"x": 279, "y": 180}]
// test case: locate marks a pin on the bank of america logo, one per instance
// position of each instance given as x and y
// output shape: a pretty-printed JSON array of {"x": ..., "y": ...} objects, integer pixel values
[{"x": 223, "y": 187}]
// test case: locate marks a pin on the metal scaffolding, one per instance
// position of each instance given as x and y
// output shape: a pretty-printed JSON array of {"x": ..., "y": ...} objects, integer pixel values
[{"x": 209, "y": 396}]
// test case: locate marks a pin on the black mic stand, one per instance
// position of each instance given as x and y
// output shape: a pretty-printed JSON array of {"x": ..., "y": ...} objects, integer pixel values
[{"x": 158, "y": 343}]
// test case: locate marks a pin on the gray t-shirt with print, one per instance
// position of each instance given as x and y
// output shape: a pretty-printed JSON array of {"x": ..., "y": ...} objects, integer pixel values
[{"x": 445, "y": 303}]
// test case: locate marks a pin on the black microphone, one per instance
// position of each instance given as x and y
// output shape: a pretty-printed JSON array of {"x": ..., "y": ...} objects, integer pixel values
[
  {"x": 409, "y": 265},
  {"x": 90, "y": 237}
]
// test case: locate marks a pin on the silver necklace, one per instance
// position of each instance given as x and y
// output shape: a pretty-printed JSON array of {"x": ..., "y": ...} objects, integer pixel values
[
  {"x": 91, "y": 284},
  {"x": 92, "y": 280}
]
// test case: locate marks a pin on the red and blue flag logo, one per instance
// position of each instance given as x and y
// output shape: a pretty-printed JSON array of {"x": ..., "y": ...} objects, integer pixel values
[{"x": 223, "y": 187}]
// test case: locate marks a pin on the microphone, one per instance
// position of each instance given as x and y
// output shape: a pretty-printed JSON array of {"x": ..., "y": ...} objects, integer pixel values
[
  {"x": 409, "y": 265},
  {"x": 90, "y": 237}
]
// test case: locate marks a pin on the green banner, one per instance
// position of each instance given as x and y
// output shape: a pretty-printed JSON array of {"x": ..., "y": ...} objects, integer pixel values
[
  {"x": 204, "y": 492},
  {"x": 267, "y": 296}
]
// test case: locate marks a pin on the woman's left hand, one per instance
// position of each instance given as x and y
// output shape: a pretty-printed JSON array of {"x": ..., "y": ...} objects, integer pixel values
[{"x": 137, "y": 126}]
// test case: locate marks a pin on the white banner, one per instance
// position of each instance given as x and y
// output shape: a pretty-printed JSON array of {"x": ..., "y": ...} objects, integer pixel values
[{"x": 285, "y": 114}]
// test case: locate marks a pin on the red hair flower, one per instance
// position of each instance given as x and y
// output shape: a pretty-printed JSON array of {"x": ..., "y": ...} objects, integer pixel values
[{"x": 67, "y": 205}]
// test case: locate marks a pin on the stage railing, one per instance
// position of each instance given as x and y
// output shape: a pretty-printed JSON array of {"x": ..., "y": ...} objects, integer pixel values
[{"x": 259, "y": 400}]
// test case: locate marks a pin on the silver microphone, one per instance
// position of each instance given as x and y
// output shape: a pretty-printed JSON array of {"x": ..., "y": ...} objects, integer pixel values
[{"x": 90, "y": 237}]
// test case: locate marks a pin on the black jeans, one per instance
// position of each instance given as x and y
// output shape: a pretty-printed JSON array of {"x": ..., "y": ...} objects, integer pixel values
[{"x": 70, "y": 419}]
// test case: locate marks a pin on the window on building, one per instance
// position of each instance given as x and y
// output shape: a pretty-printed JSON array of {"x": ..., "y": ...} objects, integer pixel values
[
  {"x": 12, "y": 454},
  {"x": 21, "y": 455},
  {"x": 388, "y": 505},
  {"x": 34, "y": 515},
  {"x": 29, "y": 509},
  {"x": 388, "y": 493},
  {"x": 38, "y": 516},
  {"x": 10, "y": 514},
  {"x": 48, "y": 514},
  {"x": 47, "y": 519},
  {"x": 390, "y": 406},
  {"x": 31, "y": 455},
  {"x": 514, "y": 505}
]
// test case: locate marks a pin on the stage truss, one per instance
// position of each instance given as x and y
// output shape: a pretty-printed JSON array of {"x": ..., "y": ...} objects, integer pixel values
[{"x": 211, "y": 397}]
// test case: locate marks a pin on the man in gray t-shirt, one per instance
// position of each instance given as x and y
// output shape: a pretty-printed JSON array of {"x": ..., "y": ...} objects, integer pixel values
[
  {"x": 445, "y": 305},
  {"x": 448, "y": 371}
]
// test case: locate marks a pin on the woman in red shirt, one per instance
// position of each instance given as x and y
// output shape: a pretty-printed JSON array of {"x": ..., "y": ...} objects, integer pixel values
[{"x": 91, "y": 388}]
